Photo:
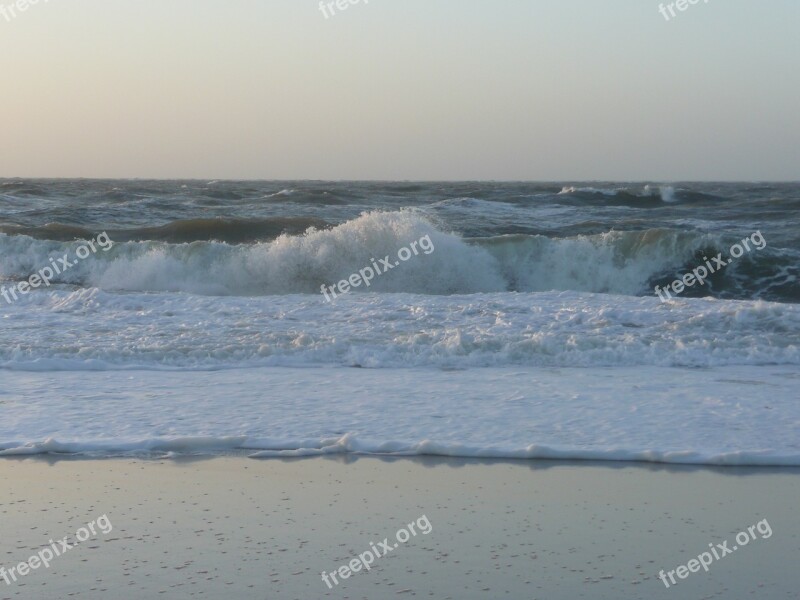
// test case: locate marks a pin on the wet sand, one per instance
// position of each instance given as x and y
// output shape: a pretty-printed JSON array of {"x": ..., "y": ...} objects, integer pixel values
[{"x": 240, "y": 528}]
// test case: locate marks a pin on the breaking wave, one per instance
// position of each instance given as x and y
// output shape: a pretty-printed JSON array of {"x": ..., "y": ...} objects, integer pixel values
[{"x": 615, "y": 262}]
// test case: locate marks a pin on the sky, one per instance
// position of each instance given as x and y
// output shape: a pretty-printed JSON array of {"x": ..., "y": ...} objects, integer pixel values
[{"x": 401, "y": 90}]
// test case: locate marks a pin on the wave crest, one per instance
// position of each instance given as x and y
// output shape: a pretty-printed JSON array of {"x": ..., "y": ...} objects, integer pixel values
[{"x": 617, "y": 262}]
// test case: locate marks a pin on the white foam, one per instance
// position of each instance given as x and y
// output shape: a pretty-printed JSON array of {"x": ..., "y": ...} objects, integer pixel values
[
  {"x": 95, "y": 330},
  {"x": 623, "y": 414},
  {"x": 290, "y": 264}
]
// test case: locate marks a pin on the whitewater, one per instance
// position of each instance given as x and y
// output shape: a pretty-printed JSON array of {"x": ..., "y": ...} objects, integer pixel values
[{"x": 532, "y": 331}]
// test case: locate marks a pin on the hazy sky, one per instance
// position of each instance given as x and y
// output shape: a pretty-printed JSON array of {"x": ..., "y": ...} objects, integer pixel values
[{"x": 401, "y": 89}]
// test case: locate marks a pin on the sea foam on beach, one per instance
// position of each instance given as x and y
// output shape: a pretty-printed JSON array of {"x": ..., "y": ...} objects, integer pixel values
[{"x": 719, "y": 416}]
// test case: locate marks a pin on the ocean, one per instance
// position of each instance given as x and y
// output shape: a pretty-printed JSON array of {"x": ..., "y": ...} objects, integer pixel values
[{"x": 532, "y": 329}]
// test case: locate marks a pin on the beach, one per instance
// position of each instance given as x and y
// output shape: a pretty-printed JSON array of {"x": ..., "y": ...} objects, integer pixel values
[{"x": 233, "y": 527}]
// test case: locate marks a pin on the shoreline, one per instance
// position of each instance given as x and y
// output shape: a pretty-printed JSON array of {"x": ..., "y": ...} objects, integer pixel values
[{"x": 425, "y": 460}]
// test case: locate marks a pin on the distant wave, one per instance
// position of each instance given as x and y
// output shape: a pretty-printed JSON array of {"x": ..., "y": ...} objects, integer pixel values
[
  {"x": 23, "y": 189},
  {"x": 649, "y": 195},
  {"x": 232, "y": 231}
]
